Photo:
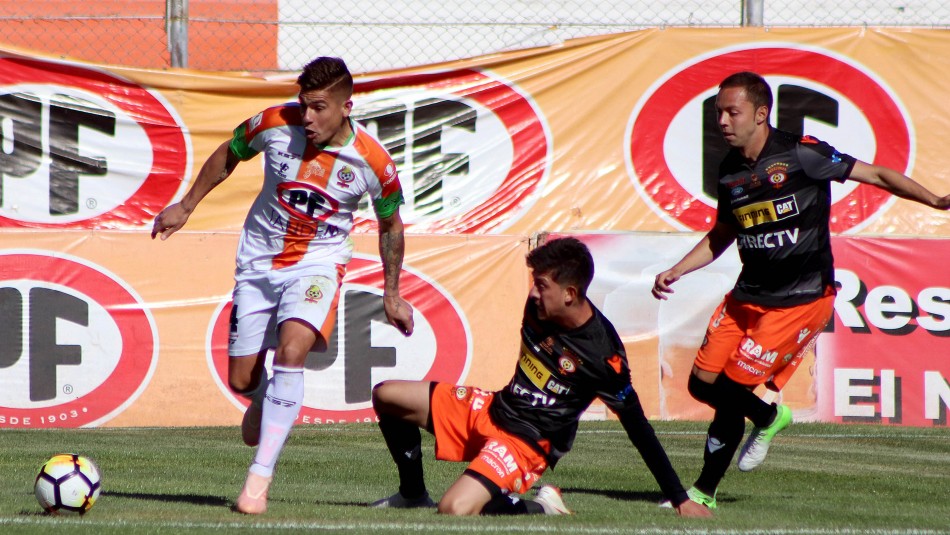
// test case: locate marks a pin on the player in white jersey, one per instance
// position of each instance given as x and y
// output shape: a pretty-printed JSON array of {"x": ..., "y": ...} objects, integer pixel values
[{"x": 294, "y": 248}]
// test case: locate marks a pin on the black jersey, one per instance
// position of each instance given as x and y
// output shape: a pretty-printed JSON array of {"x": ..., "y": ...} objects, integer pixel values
[
  {"x": 559, "y": 373},
  {"x": 780, "y": 205}
]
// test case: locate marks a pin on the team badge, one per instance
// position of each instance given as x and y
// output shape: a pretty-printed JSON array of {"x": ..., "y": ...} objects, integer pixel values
[
  {"x": 461, "y": 393},
  {"x": 567, "y": 364},
  {"x": 314, "y": 294},
  {"x": 346, "y": 175},
  {"x": 318, "y": 285},
  {"x": 777, "y": 172}
]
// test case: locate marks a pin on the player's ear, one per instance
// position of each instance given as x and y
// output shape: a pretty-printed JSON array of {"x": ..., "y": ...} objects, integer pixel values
[
  {"x": 762, "y": 115},
  {"x": 570, "y": 294}
]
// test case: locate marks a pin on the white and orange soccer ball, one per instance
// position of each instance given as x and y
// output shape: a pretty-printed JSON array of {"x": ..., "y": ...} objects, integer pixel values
[{"x": 68, "y": 483}]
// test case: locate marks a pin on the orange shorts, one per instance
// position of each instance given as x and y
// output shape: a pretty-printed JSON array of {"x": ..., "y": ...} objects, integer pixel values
[
  {"x": 754, "y": 344},
  {"x": 464, "y": 431}
]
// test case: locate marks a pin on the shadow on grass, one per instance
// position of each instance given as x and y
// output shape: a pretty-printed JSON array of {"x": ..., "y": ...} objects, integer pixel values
[
  {"x": 193, "y": 499},
  {"x": 628, "y": 496}
]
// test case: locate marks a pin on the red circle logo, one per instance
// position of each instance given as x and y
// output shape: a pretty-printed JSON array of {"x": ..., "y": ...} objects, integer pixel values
[
  {"x": 79, "y": 346},
  {"x": 668, "y": 119},
  {"x": 472, "y": 149},
  {"x": 364, "y": 349},
  {"x": 83, "y": 148}
]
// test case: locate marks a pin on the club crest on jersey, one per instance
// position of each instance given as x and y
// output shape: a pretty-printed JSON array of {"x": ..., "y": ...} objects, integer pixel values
[
  {"x": 567, "y": 364},
  {"x": 777, "y": 172},
  {"x": 461, "y": 392},
  {"x": 313, "y": 294},
  {"x": 318, "y": 285},
  {"x": 346, "y": 175}
]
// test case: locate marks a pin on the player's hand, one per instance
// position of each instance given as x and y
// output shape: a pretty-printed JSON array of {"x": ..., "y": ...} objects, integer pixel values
[
  {"x": 170, "y": 220},
  {"x": 661, "y": 286},
  {"x": 691, "y": 509},
  {"x": 399, "y": 313}
]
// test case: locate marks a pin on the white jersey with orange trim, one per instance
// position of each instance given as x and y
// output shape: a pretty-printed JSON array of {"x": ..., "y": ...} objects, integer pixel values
[{"x": 304, "y": 212}]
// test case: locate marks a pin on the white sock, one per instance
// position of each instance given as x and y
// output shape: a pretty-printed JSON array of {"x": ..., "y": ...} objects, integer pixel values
[{"x": 281, "y": 407}]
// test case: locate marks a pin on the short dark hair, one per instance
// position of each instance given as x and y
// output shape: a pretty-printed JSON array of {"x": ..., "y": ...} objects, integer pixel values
[
  {"x": 756, "y": 88},
  {"x": 326, "y": 73},
  {"x": 566, "y": 260}
]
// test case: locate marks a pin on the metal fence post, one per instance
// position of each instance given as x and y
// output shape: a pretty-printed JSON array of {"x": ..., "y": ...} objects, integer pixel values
[
  {"x": 176, "y": 28},
  {"x": 753, "y": 12}
]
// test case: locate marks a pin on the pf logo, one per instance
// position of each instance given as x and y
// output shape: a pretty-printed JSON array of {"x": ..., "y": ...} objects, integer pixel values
[
  {"x": 673, "y": 143},
  {"x": 82, "y": 148},
  {"x": 472, "y": 150},
  {"x": 364, "y": 348},
  {"x": 79, "y": 346}
]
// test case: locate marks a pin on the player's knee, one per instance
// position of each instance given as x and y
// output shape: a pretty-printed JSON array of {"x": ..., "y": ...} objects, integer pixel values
[
  {"x": 456, "y": 507},
  {"x": 381, "y": 397}
]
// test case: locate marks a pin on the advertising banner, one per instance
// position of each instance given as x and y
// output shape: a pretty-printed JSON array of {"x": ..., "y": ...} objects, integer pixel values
[
  {"x": 605, "y": 133},
  {"x": 114, "y": 329},
  {"x": 885, "y": 357},
  {"x": 612, "y": 138}
]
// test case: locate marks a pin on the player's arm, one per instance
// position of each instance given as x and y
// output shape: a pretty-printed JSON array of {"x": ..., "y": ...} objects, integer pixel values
[
  {"x": 644, "y": 438},
  {"x": 898, "y": 184},
  {"x": 215, "y": 170},
  {"x": 392, "y": 248},
  {"x": 717, "y": 240}
]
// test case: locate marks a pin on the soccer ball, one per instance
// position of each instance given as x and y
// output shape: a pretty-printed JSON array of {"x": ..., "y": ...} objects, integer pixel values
[{"x": 67, "y": 484}]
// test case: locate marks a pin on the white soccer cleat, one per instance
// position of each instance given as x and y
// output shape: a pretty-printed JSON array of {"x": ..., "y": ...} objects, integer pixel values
[
  {"x": 757, "y": 446},
  {"x": 253, "y": 497},
  {"x": 398, "y": 501},
  {"x": 549, "y": 497}
]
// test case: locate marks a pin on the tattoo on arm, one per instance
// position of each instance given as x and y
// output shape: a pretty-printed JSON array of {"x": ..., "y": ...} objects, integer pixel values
[{"x": 392, "y": 246}]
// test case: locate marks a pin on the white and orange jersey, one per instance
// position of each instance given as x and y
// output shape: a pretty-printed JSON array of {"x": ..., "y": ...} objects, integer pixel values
[{"x": 304, "y": 212}]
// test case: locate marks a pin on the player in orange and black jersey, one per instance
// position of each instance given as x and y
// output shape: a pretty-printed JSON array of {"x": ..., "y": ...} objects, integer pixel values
[
  {"x": 570, "y": 355},
  {"x": 774, "y": 203}
]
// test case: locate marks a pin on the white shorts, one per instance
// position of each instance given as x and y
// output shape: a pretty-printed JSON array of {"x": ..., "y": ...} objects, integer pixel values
[{"x": 262, "y": 300}]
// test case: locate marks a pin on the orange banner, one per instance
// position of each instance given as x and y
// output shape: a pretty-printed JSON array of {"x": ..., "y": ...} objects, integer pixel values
[
  {"x": 114, "y": 329},
  {"x": 604, "y": 133},
  {"x": 102, "y": 326}
]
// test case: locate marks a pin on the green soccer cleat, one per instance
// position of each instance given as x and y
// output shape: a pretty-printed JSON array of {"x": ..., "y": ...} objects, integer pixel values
[
  {"x": 757, "y": 446},
  {"x": 697, "y": 496}
]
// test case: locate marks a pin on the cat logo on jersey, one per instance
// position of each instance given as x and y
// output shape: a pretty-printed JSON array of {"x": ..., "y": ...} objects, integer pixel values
[
  {"x": 766, "y": 212},
  {"x": 346, "y": 175}
]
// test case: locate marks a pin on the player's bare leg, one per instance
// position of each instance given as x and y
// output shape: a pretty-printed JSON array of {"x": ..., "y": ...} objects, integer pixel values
[{"x": 467, "y": 496}]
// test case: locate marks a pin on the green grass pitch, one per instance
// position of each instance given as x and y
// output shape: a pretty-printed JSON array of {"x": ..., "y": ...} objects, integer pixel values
[{"x": 818, "y": 479}]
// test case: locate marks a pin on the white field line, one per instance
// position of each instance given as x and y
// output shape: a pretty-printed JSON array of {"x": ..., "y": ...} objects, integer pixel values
[
  {"x": 437, "y": 527},
  {"x": 786, "y": 433}
]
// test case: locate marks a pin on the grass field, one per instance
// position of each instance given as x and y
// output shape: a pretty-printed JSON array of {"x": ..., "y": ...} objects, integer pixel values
[{"x": 819, "y": 478}]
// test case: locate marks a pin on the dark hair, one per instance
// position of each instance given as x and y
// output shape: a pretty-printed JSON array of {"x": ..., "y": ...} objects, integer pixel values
[
  {"x": 326, "y": 73},
  {"x": 566, "y": 260},
  {"x": 757, "y": 90}
]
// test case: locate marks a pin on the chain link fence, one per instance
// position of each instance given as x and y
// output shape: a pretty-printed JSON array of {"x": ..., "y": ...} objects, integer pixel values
[{"x": 277, "y": 35}]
